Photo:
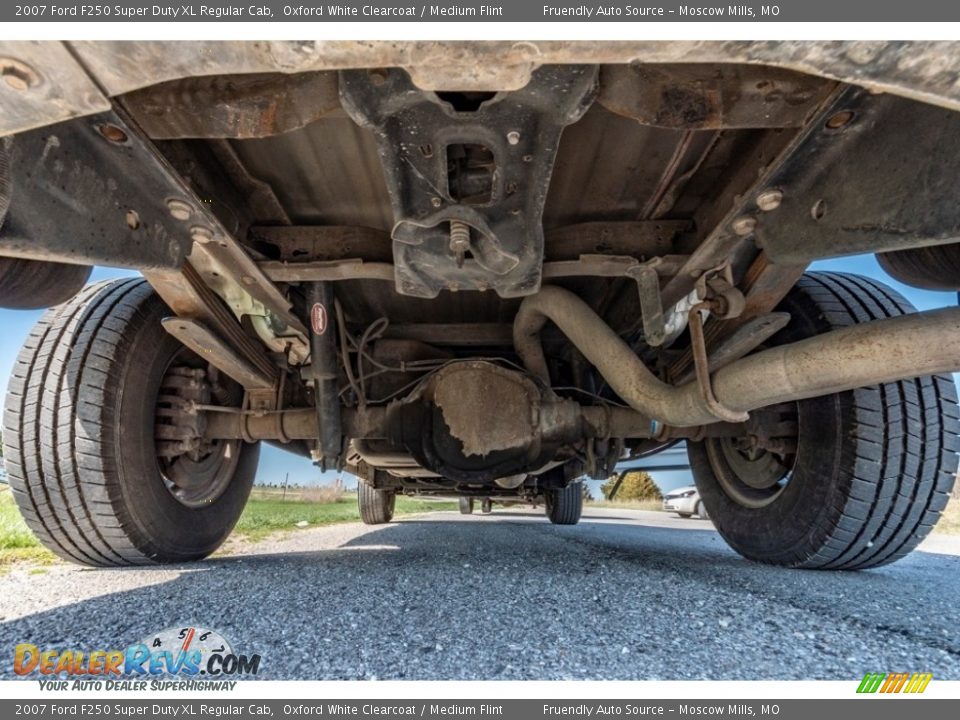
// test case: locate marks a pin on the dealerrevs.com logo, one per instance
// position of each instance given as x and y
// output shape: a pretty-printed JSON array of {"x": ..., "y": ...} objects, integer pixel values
[{"x": 202, "y": 657}]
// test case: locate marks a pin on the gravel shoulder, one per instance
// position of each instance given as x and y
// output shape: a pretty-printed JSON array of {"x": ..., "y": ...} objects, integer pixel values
[{"x": 624, "y": 595}]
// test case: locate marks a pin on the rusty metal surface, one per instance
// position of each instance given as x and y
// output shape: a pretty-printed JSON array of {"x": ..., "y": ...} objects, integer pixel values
[
  {"x": 764, "y": 285},
  {"x": 710, "y": 97},
  {"x": 610, "y": 266},
  {"x": 42, "y": 84},
  {"x": 485, "y": 170},
  {"x": 293, "y": 424},
  {"x": 609, "y": 167},
  {"x": 726, "y": 224},
  {"x": 75, "y": 200},
  {"x": 323, "y": 243},
  {"x": 188, "y": 297},
  {"x": 339, "y": 177},
  {"x": 327, "y": 270},
  {"x": 235, "y": 106},
  {"x": 234, "y": 276},
  {"x": 372, "y": 422},
  {"x": 213, "y": 349},
  {"x": 456, "y": 334},
  {"x": 871, "y": 173},
  {"x": 747, "y": 336},
  {"x": 261, "y": 201},
  {"x": 927, "y": 71},
  {"x": 701, "y": 366},
  {"x": 638, "y": 239},
  {"x": 737, "y": 341},
  {"x": 364, "y": 302},
  {"x": 870, "y": 353},
  {"x": 487, "y": 408}
]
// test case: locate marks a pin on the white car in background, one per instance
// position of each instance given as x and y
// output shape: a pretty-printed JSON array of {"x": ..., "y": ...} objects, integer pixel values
[{"x": 685, "y": 502}]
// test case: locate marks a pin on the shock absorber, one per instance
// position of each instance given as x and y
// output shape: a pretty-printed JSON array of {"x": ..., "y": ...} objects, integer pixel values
[{"x": 323, "y": 371}]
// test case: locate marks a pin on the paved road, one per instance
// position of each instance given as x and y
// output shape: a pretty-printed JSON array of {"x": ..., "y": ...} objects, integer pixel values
[{"x": 624, "y": 595}]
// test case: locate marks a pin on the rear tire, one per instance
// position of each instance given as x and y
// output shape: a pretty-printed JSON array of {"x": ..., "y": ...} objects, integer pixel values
[
  {"x": 34, "y": 284},
  {"x": 930, "y": 268},
  {"x": 565, "y": 506},
  {"x": 466, "y": 506},
  {"x": 79, "y": 436},
  {"x": 376, "y": 506},
  {"x": 872, "y": 469}
]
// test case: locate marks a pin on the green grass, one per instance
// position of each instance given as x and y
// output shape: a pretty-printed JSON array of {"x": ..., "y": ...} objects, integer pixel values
[
  {"x": 14, "y": 533},
  {"x": 266, "y": 513},
  {"x": 950, "y": 520},
  {"x": 17, "y": 543}
]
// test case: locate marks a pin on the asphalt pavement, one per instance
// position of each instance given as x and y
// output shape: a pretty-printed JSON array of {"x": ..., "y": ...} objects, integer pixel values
[{"x": 623, "y": 595}]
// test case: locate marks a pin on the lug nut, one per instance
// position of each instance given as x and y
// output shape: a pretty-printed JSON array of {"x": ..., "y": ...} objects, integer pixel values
[
  {"x": 179, "y": 209},
  {"x": 744, "y": 225},
  {"x": 513, "y": 137},
  {"x": 769, "y": 200}
]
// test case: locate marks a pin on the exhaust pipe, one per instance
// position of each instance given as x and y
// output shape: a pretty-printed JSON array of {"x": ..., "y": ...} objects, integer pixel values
[{"x": 877, "y": 352}]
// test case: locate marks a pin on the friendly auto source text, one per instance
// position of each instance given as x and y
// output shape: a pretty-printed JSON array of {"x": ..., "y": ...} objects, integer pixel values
[
  {"x": 174, "y": 12},
  {"x": 635, "y": 11},
  {"x": 601, "y": 710}
]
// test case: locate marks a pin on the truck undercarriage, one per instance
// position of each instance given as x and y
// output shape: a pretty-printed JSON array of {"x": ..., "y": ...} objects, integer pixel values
[{"x": 483, "y": 270}]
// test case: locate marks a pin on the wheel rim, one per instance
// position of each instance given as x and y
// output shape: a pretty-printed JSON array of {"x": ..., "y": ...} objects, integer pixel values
[
  {"x": 755, "y": 469},
  {"x": 196, "y": 483},
  {"x": 195, "y": 471}
]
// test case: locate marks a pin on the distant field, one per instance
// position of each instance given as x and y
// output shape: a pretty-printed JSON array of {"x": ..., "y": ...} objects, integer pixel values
[
  {"x": 266, "y": 512},
  {"x": 628, "y": 504},
  {"x": 269, "y": 512}
]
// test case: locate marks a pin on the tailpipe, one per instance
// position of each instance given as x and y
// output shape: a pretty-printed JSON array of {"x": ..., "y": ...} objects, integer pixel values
[{"x": 871, "y": 353}]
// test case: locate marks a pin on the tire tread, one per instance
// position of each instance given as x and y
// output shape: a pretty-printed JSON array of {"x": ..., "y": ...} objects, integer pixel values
[{"x": 901, "y": 451}]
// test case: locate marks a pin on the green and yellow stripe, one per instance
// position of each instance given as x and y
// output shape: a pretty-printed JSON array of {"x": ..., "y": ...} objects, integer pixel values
[{"x": 894, "y": 682}]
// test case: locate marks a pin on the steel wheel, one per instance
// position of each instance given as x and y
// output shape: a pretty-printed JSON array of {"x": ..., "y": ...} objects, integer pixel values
[
  {"x": 196, "y": 471},
  {"x": 754, "y": 469}
]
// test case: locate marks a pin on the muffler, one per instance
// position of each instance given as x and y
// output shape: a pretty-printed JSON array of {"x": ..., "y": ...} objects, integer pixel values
[{"x": 871, "y": 353}]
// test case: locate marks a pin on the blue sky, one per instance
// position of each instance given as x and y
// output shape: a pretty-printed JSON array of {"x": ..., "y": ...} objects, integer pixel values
[{"x": 274, "y": 463}]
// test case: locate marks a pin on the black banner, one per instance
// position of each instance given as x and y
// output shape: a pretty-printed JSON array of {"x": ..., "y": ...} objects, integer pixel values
[
  {"x": 472, "y": 11},
  {"x": 879, "y": 709}
]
